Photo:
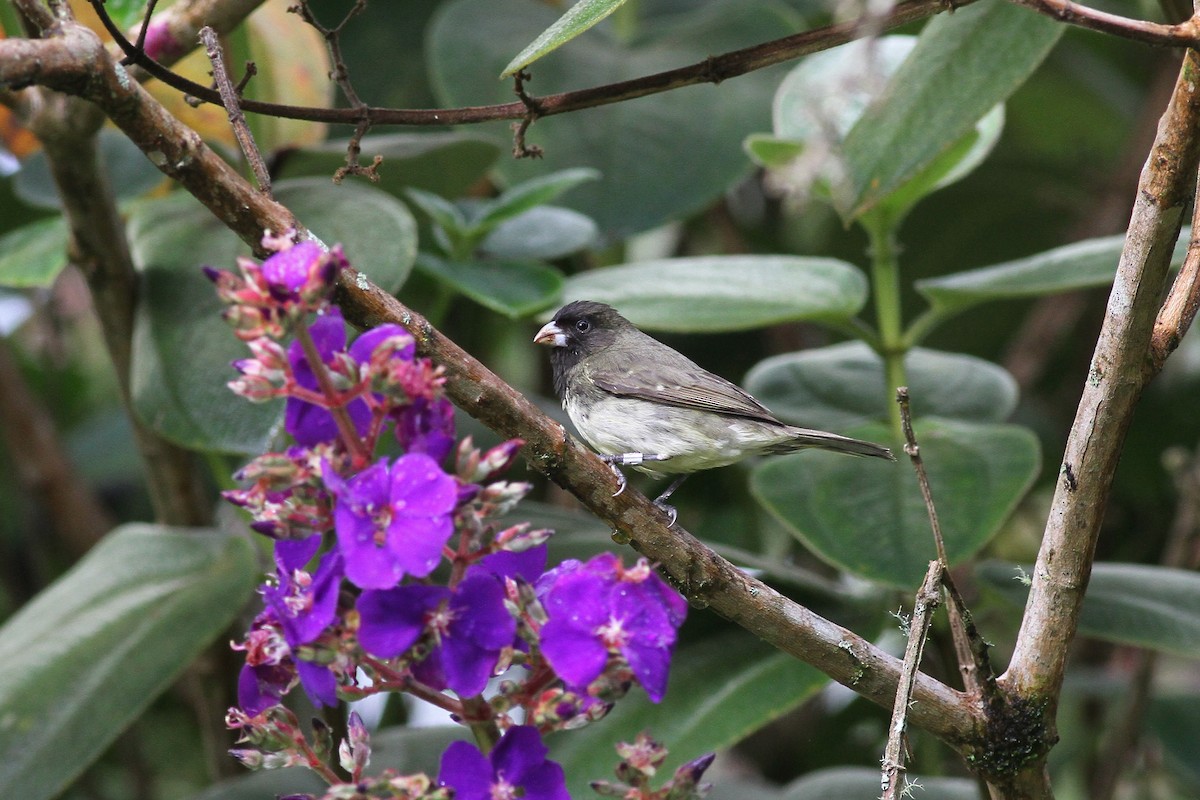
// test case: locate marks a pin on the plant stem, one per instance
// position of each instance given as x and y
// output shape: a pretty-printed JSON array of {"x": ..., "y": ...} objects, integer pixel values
[{"x": 885, "y": 282}]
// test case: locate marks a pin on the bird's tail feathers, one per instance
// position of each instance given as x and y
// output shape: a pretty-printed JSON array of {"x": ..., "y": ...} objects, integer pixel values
[{"x": 803, "y": 438}]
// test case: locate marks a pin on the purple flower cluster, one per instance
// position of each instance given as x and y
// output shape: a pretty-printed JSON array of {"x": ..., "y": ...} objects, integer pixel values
[{"x": 390, "y": 571}]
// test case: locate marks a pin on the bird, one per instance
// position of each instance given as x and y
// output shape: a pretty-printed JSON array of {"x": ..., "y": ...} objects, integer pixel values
[{"x": 640, "y": 403}]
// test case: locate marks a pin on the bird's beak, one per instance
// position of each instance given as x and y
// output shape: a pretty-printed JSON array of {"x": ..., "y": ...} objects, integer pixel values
[{"x": 551, "y": 335}]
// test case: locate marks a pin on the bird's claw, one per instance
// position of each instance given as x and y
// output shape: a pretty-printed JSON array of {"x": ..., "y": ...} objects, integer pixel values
[
  {"x": 669, "y": 510},
  {"x": 621, "y": 482}
]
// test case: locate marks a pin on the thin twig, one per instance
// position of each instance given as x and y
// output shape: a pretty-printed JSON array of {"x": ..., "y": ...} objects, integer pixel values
[
  {"x": 237, "y": 120},
  {"x": 340, "y": 75},
  {"x": 927, "y": 600},
  {"x": 1179, "y": 309},
  {"x": 141, "y": 40},
  {"x": 969, "y": 647},
  {"x": 533, "y": 111},
  {"x": 1182, "y": 35},
  {"x": 711, "y": 70}
]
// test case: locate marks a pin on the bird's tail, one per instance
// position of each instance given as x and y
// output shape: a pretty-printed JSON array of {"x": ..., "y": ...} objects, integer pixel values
[{"x": 803, "y": 438}]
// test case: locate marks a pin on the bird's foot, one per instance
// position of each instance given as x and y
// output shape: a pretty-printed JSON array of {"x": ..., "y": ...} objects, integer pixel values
[
  {"x": 669, "y": 510},
  {"x": 627, "y": 460},
  {"x": 621, "y": 482}
]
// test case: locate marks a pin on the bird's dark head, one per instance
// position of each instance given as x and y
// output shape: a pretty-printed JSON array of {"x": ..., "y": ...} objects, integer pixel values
[
  {"x": 582, "y": 328},
  {"x": 578, "y": 330}
]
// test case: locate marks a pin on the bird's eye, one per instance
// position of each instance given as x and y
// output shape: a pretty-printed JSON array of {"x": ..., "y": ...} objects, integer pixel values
[{"x": 583, "y": 326}]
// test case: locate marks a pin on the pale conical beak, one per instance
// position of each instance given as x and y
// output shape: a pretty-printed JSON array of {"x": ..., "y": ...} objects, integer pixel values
[{"x": 551, "y": 335}]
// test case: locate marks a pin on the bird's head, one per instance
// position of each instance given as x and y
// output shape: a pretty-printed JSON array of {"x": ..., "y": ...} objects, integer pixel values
[{"x": 582, "y": 328}]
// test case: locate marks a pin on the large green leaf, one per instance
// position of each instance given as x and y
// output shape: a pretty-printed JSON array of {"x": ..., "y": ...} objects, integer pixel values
[
  {"x": 182, "y": 348},
  {"x": 1081, "y": 265},
  {"x": 840, "y": 386},
  {"x": 856, "y": 783},
  {"x": 725, "y": 293},
  {"x": 578, "y": 18},
  {"x": 721, "y": 690},
  {"x": 34, "y": 254},
  {"x": 867, "y": 516},
  {"x": 541, "y": 233},
  {"x": 530, "y": 194},
  {"x": 823, "y": 97},
  {"x": 513, "y": 288},
  {"x": 446, "y": 163},
  {"x": 963, "y": 65},
  {"x": 1135, "y": 604},
  {"x": 661, "y": 157},
  {"x": 376, "y": 230},
  {"x": 86, "y": 656}
]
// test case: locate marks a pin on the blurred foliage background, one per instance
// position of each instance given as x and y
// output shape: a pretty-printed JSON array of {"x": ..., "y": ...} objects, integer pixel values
[{"x": 486, "y": 245}]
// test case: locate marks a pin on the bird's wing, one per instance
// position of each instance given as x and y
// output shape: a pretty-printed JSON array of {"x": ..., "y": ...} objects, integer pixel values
[{"x": 682, "y": 384}]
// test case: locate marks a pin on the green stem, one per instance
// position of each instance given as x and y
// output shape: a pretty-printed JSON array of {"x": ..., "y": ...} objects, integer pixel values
[{"x": 885, "y": 274}]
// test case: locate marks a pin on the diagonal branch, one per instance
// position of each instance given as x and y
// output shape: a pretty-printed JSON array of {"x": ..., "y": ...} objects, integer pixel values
[
  {"x": 76, "y": 61},
  {"x": 1120, "y": 370}
]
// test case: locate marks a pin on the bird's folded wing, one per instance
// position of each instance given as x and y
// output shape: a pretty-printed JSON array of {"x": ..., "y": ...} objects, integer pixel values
[{"x": 697, "y": 389}]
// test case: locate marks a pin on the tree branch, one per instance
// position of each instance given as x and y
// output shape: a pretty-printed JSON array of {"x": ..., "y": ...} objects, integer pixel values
[
  {"x": 711, "y": 70},
  {"x": 1120, "y": 370},
  {"x": 1185, "y": 34}
]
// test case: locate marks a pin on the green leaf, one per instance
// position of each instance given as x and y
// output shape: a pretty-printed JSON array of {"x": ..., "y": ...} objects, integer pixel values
[
  {"x": 130, "y": 172},
  {"x": 841, "y": 386},
  {"x": 964, "y": 64},
  {"x": 676, "y": 152},
  {"x": 445, "y": 214},
  {"x": 867, "y": 517},
  {"x": 86, "y": 656},
  {"x": 126, "y": 13},
  {"x": 725, "y": 293},
  {"x": 541, "y": 233},
  {"x": 446, "y": 163},
  {"x": 513, "y": 288},
  {"x": 1134, "y": 604},
  {"x": 1174, "y": 719},
  {"x": 579, "y": 17},
  {"x": 182, "y": 348},
  {"x": 855, "y": 783},
  {"x": 377, "y": 231},
  {"x": 529, "y": 195},
  {"x": 768, "y": 151},
  {"x": 715, "y": 699},
  {"x": 1081, "y": 265},
  {"x": 34, "y": 254}
]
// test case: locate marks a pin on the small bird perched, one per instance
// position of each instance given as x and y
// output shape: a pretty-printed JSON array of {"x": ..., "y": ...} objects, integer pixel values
[{"x": 639, "y": 403}]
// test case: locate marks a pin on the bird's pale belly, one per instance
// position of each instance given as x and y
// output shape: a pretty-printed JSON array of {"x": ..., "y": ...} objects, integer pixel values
[{"x": 692, "y": 440}]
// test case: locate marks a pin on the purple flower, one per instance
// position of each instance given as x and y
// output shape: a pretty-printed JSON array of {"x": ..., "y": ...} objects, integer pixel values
[
  {"x": 426, "y": 426},
  {"x": 393, "y": 521},
  {"x": 261, "y": 686},
  {"x": 289, "y": 271},
  {"x": 516, "y": 768},
  {"x": 304, "y": 604},
  {"x": 310, "y": 424},
  {"x": 470, "y": 626},
  {"x": 600, "y": 608}
]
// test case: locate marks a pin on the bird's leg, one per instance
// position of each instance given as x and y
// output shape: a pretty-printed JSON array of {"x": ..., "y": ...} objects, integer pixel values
[
  {"x": 628, "y": 459},
  {"x": 660, "y": 501}
]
